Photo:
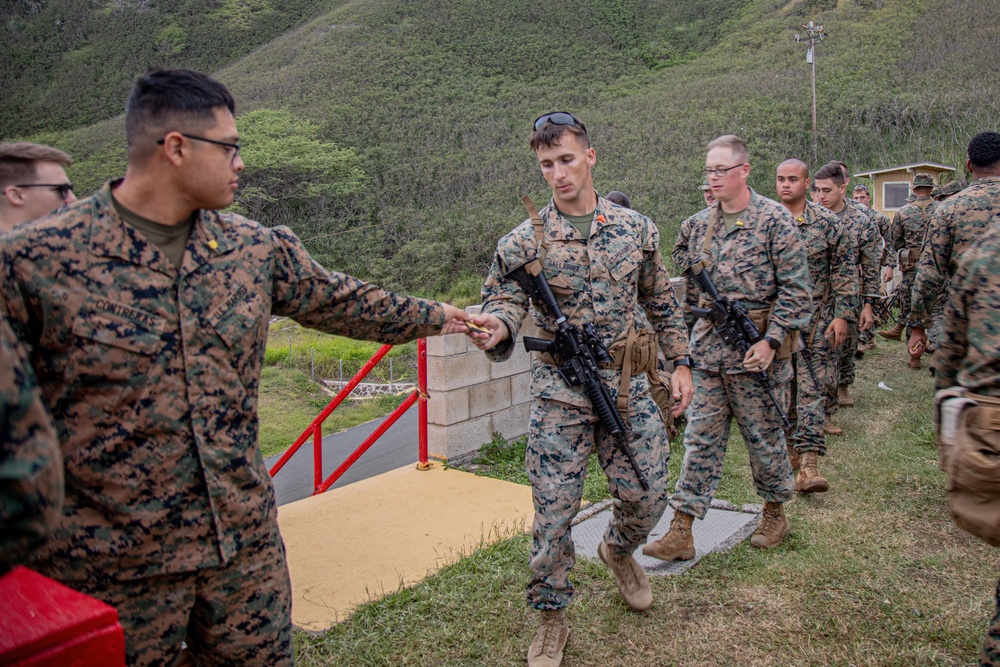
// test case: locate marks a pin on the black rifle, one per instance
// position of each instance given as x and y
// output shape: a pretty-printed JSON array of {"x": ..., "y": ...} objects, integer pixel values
[
  {"x": 807, "y": 356},
  {"x": 736, "y": 329},
  {"x": 577, "y": 352}
]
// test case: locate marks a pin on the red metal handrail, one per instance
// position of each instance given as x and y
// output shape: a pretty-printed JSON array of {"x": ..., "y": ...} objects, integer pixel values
[{"x": 315, "y": 429}]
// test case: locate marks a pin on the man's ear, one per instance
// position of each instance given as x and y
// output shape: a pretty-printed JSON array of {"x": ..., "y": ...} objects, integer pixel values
[
  {"x": 13, "y": 195},
  {"x": 175, "y": 148}
]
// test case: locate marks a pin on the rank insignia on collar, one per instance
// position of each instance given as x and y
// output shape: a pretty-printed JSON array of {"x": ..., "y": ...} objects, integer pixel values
[
  {"x": 213, "y": 244},
  {"x": 739, "y": 223}
]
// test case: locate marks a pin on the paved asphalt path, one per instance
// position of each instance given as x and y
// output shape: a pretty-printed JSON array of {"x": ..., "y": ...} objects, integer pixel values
[{"x": 396, "y": 448}]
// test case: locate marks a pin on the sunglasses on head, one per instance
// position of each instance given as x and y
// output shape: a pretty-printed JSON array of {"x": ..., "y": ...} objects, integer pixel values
[
  {"x": 557, "y": 118},
  {"x": 63, "y": 188}
]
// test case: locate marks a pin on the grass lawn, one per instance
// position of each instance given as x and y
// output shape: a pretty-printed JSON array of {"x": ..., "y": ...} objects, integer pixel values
[{"x": 874, "y": 573}]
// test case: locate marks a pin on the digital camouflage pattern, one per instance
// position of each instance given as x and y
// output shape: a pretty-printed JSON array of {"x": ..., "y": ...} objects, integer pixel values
[
  {"x": 909, "y": 230},
  {"x": 692, "y": 293},
  {"x": 884, "y": 225},
  {"x": 956, "y": 224},
  {"x": 763, "y": 263},
  {"x": 868, "y": 249},
  {"x": 969, "y": 352},
  {"x": 614, "y": 279},
  {"x": 152, "y": 375},
  {"x": 31, "y": 472},
  {"x": 833, "y": 274},
  {"x": 214, "y": 611}
]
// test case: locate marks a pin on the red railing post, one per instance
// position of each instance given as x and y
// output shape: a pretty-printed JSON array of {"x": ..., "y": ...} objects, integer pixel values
[
  {"x": 317, "y": 456},
  {"x": 422, "y": 462}
]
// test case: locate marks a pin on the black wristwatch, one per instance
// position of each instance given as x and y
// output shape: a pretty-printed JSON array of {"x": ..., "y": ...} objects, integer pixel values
[
  {"x": 683, "y": 361},
  {"x": 869, "y": 302},
  {"x": 775, "y": 344}
]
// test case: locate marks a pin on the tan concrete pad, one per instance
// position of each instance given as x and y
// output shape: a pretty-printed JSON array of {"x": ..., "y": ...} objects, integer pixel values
[{"x": 364, "y": 540}]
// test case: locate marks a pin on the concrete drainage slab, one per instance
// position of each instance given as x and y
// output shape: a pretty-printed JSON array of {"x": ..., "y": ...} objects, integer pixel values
[{"x": 723, "y": 527}]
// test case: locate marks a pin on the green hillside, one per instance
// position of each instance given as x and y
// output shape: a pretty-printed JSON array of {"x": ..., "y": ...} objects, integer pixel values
[{"x": 402, "y": 126}]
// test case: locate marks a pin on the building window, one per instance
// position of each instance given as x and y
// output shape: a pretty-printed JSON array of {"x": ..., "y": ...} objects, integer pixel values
[{"x": 894, "y": 195}]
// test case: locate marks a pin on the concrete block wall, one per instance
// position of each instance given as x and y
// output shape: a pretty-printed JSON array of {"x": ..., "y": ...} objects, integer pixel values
[{"x": 471, "y": 398}]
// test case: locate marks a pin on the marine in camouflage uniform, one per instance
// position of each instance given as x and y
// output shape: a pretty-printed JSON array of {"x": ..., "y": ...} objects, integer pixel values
[
  {"x": 151, "y": 367},
  {"x": 604, "y": 266},
  {"x": 956, "y": 224},
  {"x": 909, "y": 232},
  {"x": 757, "y": 257},
  {"x": 31, "y": 473},
  {"x": 692, "y": 293},
  {"x": 832, "y": 271},
  {"x": 866, "y": 241},
  {"x": 969, "y": 354},
  {"x": 866, "y": 338}
]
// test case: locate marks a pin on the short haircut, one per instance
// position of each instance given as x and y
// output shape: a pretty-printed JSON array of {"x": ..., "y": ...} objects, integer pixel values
[
  {"x": 17, "y": 161},
  {"x": 734, "y": 143},
  {"x": 833, "y": 171},
  {"x": 843, "y": 168},
  {"x": 620, "y": 198},
  {"x": 861, "y": 187},
  {"x": 984, "y": 150},
  {"x": 551, "y": 134},
  {"x": 803, "y": 167},
  {"x": 164, "y": 99}
]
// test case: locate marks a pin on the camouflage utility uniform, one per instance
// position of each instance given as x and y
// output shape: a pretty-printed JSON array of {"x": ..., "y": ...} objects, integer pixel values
[
  {"x": 909, "y": 230},
  {"x": 761, "y": 262},
  {"x": 152, "y": 374},
  {"x": 969, "y": 353},
  {"x": 692, "y": 293},
  {"x": 31, "y": 473},
  {"x": 868, "y": 245},
  {"x": 833, "y": 274},
  {"x": 956, "y": 224},
  {"x": 615, "y": 279},
  {"x": 887, "y": 258}
]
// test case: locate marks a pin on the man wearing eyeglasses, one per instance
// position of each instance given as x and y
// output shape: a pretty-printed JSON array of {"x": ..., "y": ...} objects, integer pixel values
[
  {"x": 33, "y": 182},
  {"x": 751, "y": 250},
  {"x": 605, "y": 269},
  {"x": 147, "y": 313}
]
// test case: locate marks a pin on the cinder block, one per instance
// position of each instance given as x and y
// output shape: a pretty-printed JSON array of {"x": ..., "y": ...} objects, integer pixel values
[
  {"x": 463, "y": 370},
  {"x": 520, "y": 388},
  {"x": 519, "y": 362},
  {"x": 446, "y": 346},
  {"x": 513, "y": 422},
  {"x": 458, "y": 440},
  {"x": 489, "y": 397},
  {"x": 448, "y": 407}
]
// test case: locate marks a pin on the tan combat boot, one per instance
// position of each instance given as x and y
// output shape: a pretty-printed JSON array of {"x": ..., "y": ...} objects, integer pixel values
[
  {"x": 547, "y": 648},
  {"x": 809, "y": 480},
  {"x": 633, "y": 584},
  {"x": 844, "y": 396},
  {"x": 793, "y": 457},
  {"x": 677, "y": 544},
  {"x": 914, "y": 362},
  {"x": 830, "y": 428},
  {"x": 893, "y": 333},
  {"x": 773, "y": 526}
]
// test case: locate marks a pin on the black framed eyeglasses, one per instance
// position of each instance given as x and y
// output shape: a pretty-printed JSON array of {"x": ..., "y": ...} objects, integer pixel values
[
  {"x": 558, "y": 118},
  {"x": 719, "y": 173},
  {"x": 63, "y": 188},
  {"x": 235, "y": 148}
]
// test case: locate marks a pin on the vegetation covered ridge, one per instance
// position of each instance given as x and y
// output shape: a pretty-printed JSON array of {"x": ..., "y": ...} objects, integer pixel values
[{"x": 418, "y": 113}]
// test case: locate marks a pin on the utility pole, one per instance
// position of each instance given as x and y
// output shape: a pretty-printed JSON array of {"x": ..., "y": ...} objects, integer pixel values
[{"x": 815, "y": 33}]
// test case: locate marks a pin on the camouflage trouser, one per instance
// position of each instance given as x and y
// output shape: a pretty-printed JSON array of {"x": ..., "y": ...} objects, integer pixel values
[
  {"x": 843, "y": 368},
  {"x": 991, "y": 648},
  {"x": 561, "y": 438},
  {"x": 905, "y": 294},
  {"x": 936, "y": 332},
  {"x": 806, "y": 410},
  {"x": 718, "y": 398},
  {"x": 239, "y": 614}
]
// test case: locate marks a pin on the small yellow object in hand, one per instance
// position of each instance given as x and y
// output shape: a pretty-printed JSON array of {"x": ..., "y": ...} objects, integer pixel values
[
  {"x": 213, "y": 244},
  {"x": 475, "y": 327}
]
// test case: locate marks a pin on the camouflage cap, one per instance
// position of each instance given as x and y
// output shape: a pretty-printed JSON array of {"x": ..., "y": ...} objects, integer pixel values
[
  {"x": 923, "y": 181},
  {"x": 936, "y": 192},
  {"x": 704, "y": 186},
  {"x": 950, "y": 188}
]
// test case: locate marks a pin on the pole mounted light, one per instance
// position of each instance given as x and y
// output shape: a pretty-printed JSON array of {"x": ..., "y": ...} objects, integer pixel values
[{"x": 814, "y": 33}]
